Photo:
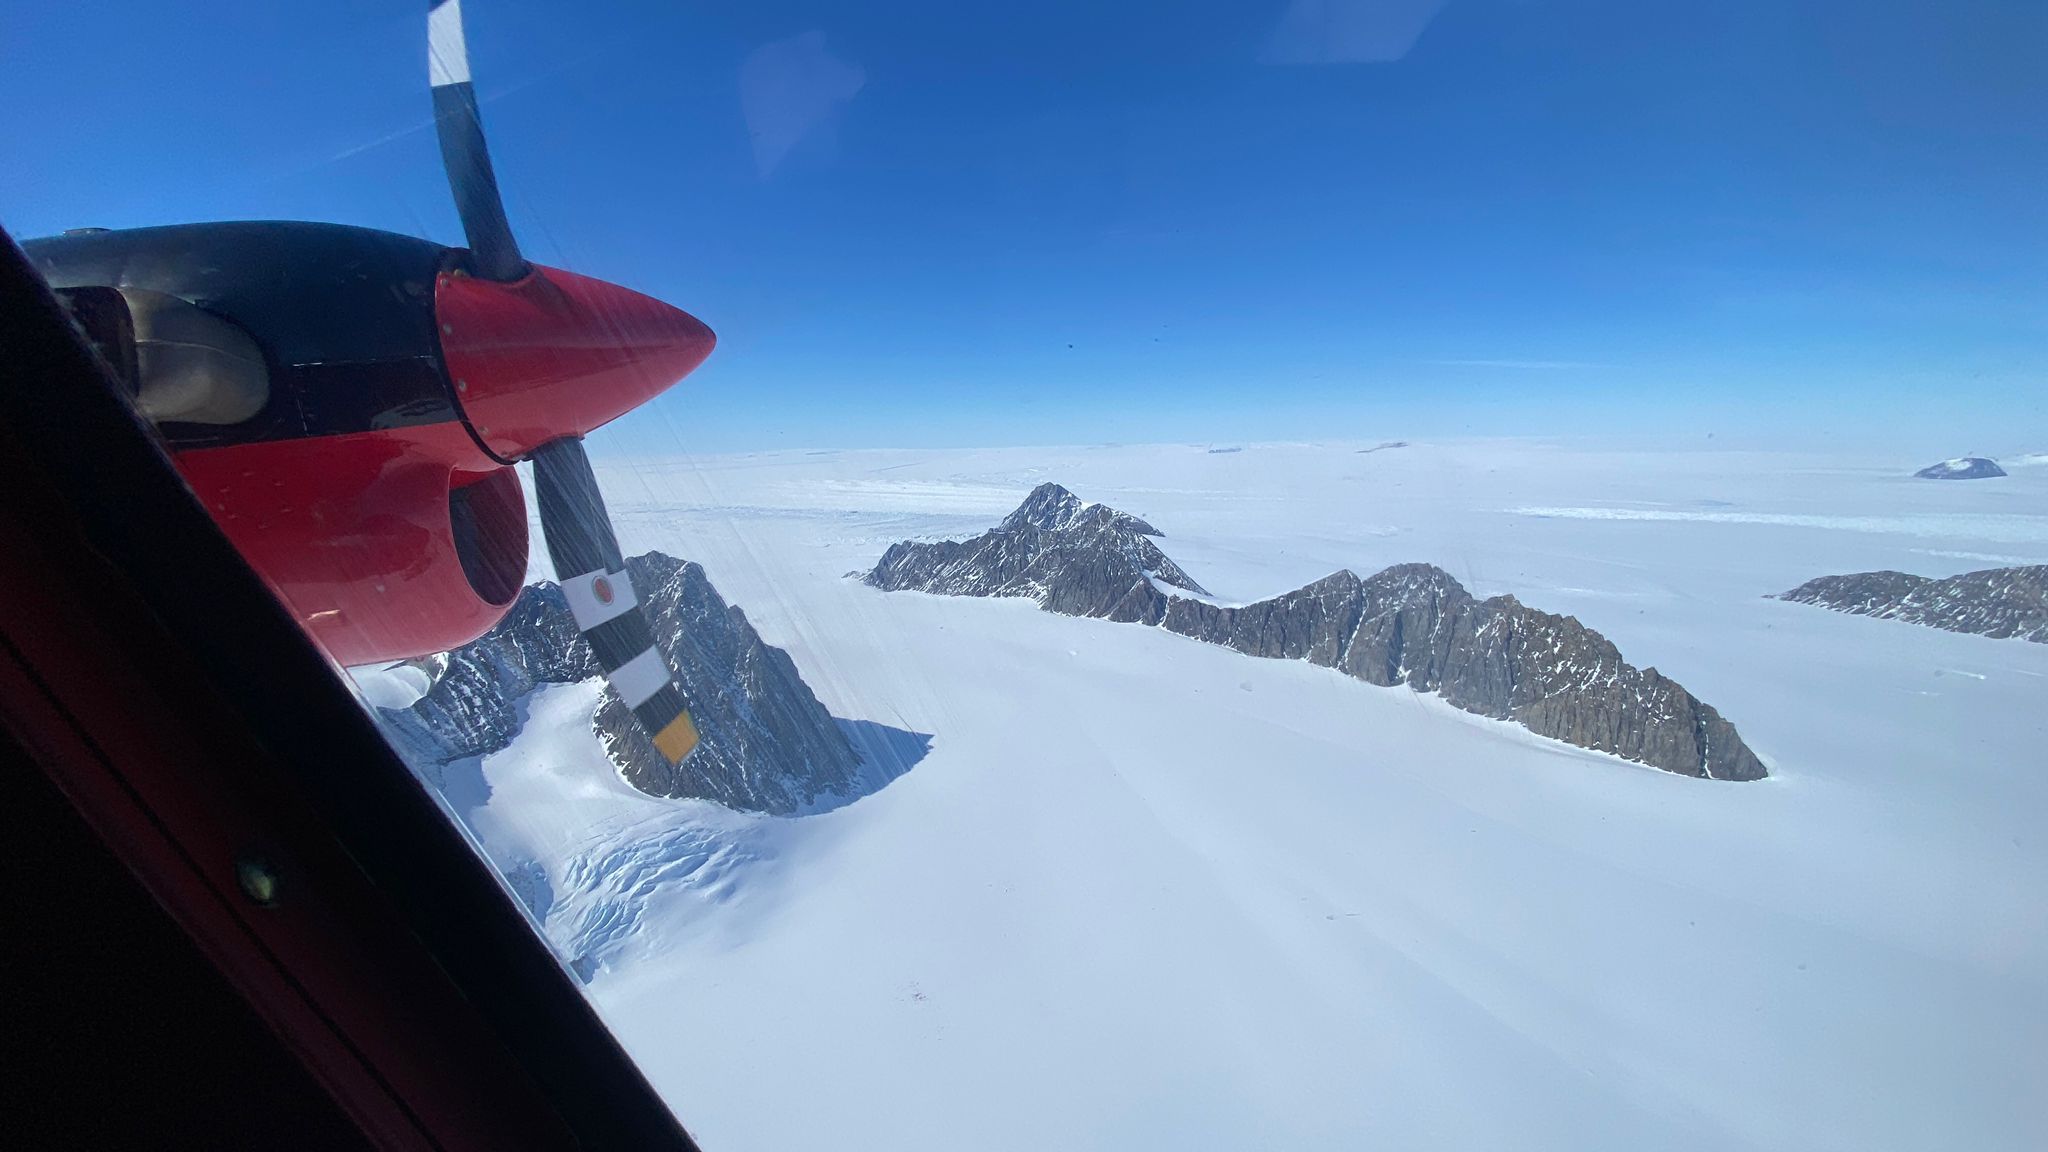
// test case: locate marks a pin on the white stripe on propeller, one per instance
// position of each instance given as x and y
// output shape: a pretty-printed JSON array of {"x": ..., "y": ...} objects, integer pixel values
[
  {"x": 640, "y": 678},
  {"x": 596, "y": 597},
  {"x": 447, "y": 52}
]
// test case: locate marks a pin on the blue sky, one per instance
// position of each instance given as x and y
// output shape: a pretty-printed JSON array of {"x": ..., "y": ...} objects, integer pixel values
[{"x": 943, "y": 223}]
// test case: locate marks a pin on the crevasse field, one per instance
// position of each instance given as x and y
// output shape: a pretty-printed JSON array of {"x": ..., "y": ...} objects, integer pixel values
[{"x": 1145, "y": 893}]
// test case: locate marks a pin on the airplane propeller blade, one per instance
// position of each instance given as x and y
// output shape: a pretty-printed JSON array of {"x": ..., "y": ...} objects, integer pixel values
[
  {"x": 461, "y": 131},
  {"x": 552, "y": 319},
  {"x": 601, "y": 595}
]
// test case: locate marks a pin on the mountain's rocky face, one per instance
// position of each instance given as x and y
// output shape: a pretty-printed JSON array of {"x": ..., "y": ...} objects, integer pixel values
[
  {"x": 1413, "y": 624},
  {"x": 1073, "y": 558},
  {"x": 1961, "y": 468},
  {"x": 1410, "y": 624},
  {"x": 1052, "y": 508},
  {"x": 2000, "y": 602},
  {"x": 765, "y": 742}
]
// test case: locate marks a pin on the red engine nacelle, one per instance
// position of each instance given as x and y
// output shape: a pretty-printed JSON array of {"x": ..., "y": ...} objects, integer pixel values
[
  {"x": 413, "y": 540},
  {"x": 386, "y": 545},
  {"x": 348, "y": 403}
]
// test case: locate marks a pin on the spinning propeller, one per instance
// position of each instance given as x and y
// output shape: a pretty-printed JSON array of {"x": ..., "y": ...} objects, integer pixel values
[{"x": 522, "y": 329}]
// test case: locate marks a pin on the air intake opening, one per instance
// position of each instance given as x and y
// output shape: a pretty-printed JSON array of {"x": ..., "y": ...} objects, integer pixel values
[{"x": 488, "y": 515}]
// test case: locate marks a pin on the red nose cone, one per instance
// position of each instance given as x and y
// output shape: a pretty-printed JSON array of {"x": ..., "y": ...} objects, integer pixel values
[{"x": 558, "y": 354}]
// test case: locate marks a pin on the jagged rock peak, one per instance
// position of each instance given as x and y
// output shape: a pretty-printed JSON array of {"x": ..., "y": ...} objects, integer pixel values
[
  {"x": 1998, "y": 602},
  {"x": 1053, "y": 508},
  {"x": 766, "y": 743},
  {"x": 1072, "y": 558}
]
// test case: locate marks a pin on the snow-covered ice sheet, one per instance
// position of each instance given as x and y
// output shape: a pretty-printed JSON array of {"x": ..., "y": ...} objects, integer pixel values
[{"x": 1147, "y": 893}]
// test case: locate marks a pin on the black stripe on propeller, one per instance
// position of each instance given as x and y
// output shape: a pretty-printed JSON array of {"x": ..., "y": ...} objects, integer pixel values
[
  {"x": 461, "y": 130},
  {"x": 601, "y": 596}
]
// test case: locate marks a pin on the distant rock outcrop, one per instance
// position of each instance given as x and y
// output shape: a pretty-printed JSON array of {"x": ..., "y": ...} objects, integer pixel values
[
  {"x": 1997, "y": 602},
  {"x": 1073, "y": 558},
  {"x": 1961, "y": 468},
  {"x": 1411, "y": 624},
  {"x": 766, "y": 743}
]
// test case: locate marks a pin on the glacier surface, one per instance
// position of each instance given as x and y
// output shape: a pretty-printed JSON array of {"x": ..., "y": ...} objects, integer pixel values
[{"x": 1145, "y": 893}]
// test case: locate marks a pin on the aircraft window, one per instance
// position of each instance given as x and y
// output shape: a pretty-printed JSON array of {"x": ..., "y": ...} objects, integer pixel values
[{"x": 1313, "y": 574}]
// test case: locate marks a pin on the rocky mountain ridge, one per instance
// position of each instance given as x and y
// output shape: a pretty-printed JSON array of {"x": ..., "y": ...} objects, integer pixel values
[
  {"x": 765, "y": 742},
  {"x": 1997, "y": 602},
  {"x": 1073, "y": 558},
  {"x": 1410, "y": 624}
]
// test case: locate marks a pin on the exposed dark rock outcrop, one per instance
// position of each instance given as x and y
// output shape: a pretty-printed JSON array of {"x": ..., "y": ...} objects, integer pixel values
[
  {"x": 766, "y": 743},
  {"x": 1410, "y": 624},
  {"x": 1413, "y": 624},
  {"x": 1962, "y": 468},
  {"x": 1999, "y": 602},
  {"x": 1073, "y": 558},
  {"x": 1055, "y": 509}
]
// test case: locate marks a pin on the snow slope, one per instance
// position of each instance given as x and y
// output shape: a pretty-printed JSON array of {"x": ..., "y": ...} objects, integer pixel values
[{"x": 1148, "y": 893}]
